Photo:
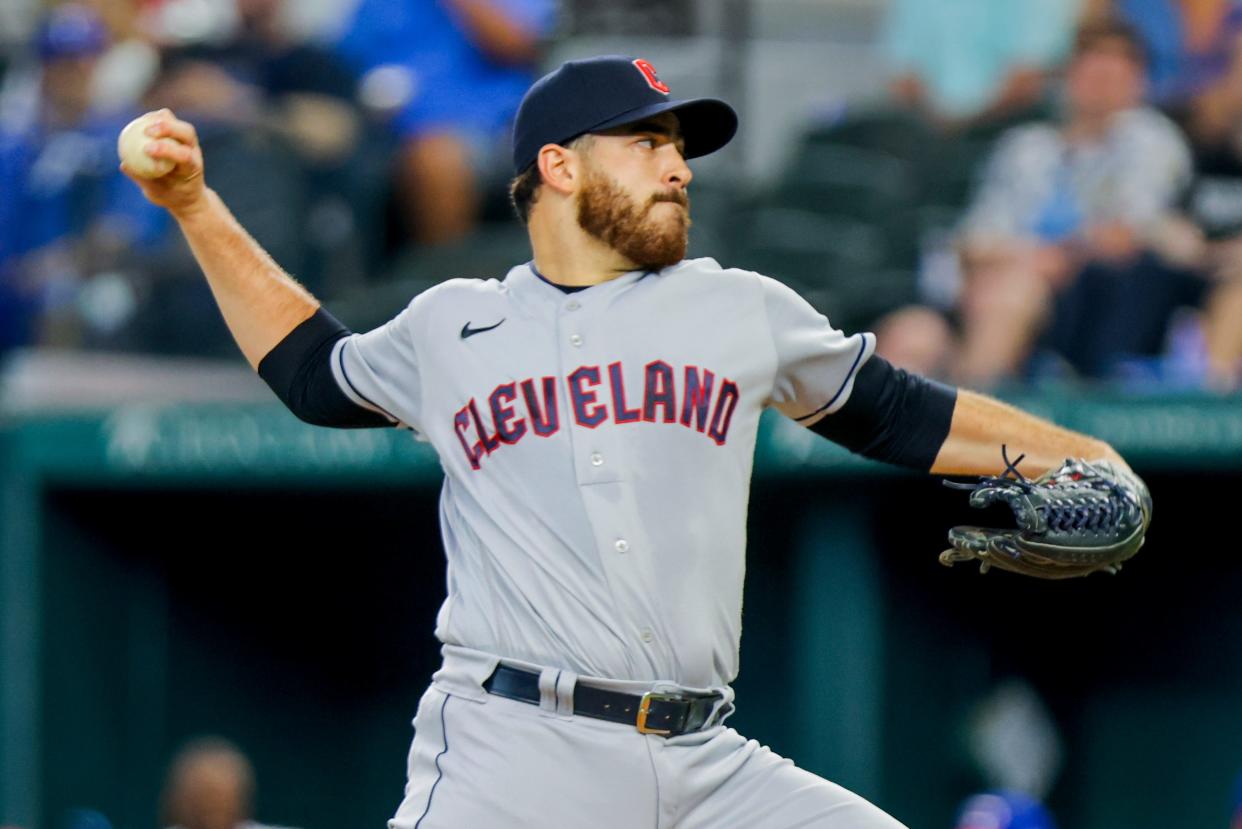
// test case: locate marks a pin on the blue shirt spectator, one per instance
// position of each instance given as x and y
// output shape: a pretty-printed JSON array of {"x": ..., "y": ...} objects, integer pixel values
[
  {"x": 63, "y": 183},
  {"x": 451, "y": 73},
  {"x": 1177, "y": 67},
  {"x": 455, "y": 82},
  {"x": 62, "y": 198}
]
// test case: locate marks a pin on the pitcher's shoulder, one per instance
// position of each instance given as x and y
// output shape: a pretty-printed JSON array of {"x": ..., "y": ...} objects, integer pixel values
[
  {"x": 457, "y": 290},
  {"x": 712, "y": 272},
  {"x": 464, "y": 287}
]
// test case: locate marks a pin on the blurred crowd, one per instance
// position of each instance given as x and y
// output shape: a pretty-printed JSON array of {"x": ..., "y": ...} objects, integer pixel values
[
  {"x": 1050, "y": 190},
  {"x": 1102, "y": 237},
  {"x": 339, "y": 131}
]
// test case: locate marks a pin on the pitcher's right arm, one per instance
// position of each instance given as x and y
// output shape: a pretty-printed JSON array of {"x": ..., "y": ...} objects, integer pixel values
[
  {"x": 278, "y": 325},
  {"x": 261, "y": 303}
]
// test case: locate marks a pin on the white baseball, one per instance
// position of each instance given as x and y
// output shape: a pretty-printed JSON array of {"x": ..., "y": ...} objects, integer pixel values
[{"x": 131, "y": 147}]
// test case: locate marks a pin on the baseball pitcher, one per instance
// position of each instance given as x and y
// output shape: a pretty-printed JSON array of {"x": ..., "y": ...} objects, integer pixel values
[{"x": 595, "y": 411}]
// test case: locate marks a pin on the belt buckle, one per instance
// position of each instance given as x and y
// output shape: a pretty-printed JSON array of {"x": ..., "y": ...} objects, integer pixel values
[{"x": 644, "y": 707}]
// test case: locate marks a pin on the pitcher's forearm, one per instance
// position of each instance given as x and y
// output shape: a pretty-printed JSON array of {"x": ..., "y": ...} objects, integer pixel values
[
  {"x": 981, "y": 425},
  {"x": 261, "y": 303}
]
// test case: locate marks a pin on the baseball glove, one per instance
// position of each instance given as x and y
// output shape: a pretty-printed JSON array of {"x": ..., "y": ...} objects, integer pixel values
[{"x": 1072, "y": 521}]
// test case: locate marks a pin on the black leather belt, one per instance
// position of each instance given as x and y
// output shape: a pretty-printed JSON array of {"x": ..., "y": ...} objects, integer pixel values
[{"x": 652, "y": 713}]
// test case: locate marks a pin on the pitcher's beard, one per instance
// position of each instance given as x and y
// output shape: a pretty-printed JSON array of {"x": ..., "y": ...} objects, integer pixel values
[{"x": 608, "y": 213}]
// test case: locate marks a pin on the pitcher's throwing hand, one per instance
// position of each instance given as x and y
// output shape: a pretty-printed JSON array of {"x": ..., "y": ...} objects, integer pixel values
[{"x": 161, "y": 154}]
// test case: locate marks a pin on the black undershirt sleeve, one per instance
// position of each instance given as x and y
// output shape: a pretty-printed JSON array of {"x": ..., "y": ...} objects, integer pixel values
[
  {"x": 892, "y": 416},
  {"x": 299, "y": 370}
]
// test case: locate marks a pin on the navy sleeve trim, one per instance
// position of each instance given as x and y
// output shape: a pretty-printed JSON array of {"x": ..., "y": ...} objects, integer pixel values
[
  {"x": 299, "y": 370},
  {"x": 340, "y": 363},
  {"x": 893, "y": 416},
  {"x": 862, "y": 349}
]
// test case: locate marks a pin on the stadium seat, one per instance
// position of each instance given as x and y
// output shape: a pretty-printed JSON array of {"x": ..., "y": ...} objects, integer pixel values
[
  {"x": 845, "y": 268},
  {"x": 888, "y": 130},
  {"x": 848, "y": 181}
]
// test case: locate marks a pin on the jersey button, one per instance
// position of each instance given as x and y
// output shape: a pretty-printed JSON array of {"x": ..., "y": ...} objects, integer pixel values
[
  {"x": 575, "y": 341},
  {"x": 647, "y": 636},
  {"x": 622, "y": 545},
  {"x": 597, "y": 459},
  {"x": 572, "y": 305}
]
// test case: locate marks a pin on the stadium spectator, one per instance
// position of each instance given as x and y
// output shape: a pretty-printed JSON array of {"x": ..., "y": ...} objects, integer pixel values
[
  {"x": 262, "y": 74},
  {"x": 125, "y": 72},
  {"x": 66, "y": 212},
  {"x": 962, "y": 62},
  {"x": 1194, "y": 62},
  {"x": 279, "y": 112},
  {"x": 454, "y": 72},
  {"x": 1195, "y": 77},
  {"x": 210, "y": 785},
  {"x": 1057, "y": 247}
]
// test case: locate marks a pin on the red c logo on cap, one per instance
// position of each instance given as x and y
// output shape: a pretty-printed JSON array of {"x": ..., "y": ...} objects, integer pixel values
[{"x": 649, "y": 74}]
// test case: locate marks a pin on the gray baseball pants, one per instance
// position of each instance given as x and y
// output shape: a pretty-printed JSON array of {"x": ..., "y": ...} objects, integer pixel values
[{"x": 485, "y": 762}]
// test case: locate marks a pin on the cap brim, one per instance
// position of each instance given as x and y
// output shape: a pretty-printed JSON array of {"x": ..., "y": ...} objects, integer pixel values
[{"x": 707, "y": 124}]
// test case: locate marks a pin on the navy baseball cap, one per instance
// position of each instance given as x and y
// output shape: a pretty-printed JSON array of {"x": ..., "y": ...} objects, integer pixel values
[{"x": 596, "y": 94}]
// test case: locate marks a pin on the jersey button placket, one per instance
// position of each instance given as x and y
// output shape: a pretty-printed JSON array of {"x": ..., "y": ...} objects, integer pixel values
[{"x": 583, "y": 348}]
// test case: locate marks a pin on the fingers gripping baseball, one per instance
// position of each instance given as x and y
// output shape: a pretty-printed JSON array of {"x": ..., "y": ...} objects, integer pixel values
[{"x": 161, "y": 154}]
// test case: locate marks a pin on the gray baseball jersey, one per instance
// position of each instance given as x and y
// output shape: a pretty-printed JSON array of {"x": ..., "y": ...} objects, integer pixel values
[{"x": 597, "y": 449}]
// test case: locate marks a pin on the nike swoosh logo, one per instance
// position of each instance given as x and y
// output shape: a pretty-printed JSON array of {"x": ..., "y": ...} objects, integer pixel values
[{"x": 467, "y": 331}]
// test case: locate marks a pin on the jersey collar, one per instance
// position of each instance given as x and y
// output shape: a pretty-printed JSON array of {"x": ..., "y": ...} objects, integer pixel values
[
  {"x": 565, "y": 289},
  {"x": 524, "y": 279}
]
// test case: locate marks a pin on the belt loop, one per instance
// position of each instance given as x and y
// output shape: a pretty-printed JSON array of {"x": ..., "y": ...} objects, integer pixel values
[
  {"x": 722, "y": 710},
  {"x": 548, "y": 689},
  {"x": 565, "y": 684}
]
